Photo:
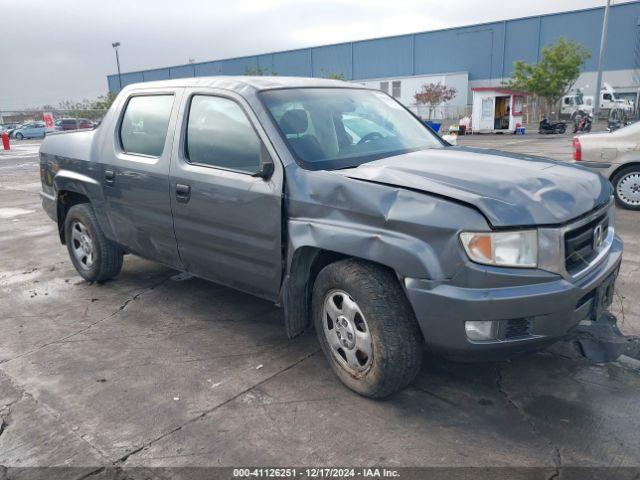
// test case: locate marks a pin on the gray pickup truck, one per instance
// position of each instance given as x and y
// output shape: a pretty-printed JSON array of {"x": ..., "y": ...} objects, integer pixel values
[{"x": 335, "y": 202}]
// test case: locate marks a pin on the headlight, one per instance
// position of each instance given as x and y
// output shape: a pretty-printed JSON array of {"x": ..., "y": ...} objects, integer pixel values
[{"x": 504, "y": 249}]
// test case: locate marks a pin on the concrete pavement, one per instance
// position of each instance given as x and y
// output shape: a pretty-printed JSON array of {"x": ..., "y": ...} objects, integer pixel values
[{"x": 153, "y": 369}]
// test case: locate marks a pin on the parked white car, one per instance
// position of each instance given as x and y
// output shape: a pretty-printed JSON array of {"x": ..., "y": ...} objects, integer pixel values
[{"x": 615, "y": 155}]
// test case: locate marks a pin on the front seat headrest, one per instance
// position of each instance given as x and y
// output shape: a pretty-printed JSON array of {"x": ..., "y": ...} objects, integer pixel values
[{"x": 294, "y": 121}]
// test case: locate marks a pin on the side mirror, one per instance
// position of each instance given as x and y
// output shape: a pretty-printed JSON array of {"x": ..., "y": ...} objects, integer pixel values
[
  {"x": 266, "y": 171},
  {"x": 266, "y": 163}
]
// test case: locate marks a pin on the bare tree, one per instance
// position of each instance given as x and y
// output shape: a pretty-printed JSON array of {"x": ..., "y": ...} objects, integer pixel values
[{"x": 433, "y": 94}]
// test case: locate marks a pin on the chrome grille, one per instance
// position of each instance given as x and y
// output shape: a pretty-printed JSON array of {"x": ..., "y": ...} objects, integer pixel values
[
  {"x": 582, "y": 244},
  {"x": 571, "y": 263}
]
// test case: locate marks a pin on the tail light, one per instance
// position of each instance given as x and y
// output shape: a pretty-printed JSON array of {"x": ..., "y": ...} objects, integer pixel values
[{"x": 577, "y": 149}]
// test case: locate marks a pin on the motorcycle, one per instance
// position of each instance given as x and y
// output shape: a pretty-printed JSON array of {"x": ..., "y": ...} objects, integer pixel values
[
  {"x": 582, "y": 121},
  {"x": 617, "y": 119},
  {"x": 550, "y": 128}
]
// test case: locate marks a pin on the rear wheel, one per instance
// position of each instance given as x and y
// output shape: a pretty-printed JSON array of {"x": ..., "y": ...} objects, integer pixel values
[
  {"x": 366, "y": 327},
  {"x": 626, "y": 185},
  {"x": 95, "y": 257}
]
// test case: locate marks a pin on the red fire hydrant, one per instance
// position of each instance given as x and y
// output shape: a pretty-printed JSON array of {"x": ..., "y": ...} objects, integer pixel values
[{"x": 5, "y": 141}]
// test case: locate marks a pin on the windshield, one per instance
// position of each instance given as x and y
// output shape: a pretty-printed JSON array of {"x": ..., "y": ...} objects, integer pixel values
[{"x": 333, "y": 128}]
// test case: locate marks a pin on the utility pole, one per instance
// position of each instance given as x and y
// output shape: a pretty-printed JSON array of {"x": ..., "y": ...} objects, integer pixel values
[
  {"x": 115, "y": 46},
  {"x": 603, "y": 42}
]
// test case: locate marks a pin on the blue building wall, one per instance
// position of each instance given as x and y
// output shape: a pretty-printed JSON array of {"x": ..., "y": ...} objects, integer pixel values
[
  {"x": 485, "y": 51},
  {"x": 383, "y": 57}
]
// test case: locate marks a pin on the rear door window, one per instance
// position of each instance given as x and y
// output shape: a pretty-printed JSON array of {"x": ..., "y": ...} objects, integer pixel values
[{"x": 143, "y": 130}]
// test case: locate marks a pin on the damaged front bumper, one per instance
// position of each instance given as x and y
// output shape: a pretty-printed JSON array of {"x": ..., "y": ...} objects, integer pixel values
[
  {"x": 602, "y": 341},
  {"x": 527, "y": 317}
]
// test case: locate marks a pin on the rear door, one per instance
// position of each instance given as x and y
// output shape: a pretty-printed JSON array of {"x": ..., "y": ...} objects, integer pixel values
[
  {"x": 135, "y": 175},
  {"x": 227, "y": 222}
]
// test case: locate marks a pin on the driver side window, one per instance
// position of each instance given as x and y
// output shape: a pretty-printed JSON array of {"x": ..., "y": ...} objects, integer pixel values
[{"x": 219, "y": 134}]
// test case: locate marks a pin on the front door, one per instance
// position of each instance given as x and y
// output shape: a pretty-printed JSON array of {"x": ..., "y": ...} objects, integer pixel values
[
  {"x": 487, "y": 113},
  {"x": 227, "y": 221},
  {"x": 135, "y": 177}
]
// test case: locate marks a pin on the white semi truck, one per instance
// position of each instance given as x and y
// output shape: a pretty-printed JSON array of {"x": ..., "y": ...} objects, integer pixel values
[{"x": 575, "y": 101}]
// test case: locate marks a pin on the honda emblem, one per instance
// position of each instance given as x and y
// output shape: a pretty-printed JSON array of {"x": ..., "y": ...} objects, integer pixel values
[{"x": 598, "y": 237}]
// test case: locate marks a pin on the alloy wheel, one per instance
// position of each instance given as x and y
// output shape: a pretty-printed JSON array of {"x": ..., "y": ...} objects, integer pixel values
[
  {"x": 82, "y": 245},
  {"x": 346, "y": 331},
  {"x": 628, "y": 189}
]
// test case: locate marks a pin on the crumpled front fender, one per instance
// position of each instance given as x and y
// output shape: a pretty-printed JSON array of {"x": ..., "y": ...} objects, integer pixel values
[{"x": 413, "y": 233}]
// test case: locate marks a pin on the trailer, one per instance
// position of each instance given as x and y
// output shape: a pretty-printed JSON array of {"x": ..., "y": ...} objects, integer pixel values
[{"x": 497, "y": 110}]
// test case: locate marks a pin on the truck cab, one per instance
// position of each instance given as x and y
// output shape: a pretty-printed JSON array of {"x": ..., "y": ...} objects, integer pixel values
[{"x": 573, "y": 102}]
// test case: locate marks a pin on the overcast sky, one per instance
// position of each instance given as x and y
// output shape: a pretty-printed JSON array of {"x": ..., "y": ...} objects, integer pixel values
[{"x": 54, "y": 50}]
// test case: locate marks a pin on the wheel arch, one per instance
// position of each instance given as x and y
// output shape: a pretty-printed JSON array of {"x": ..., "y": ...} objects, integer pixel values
[
  {"x": 297, "y": 288},
  {"x": 71, "y": 189},
  {"x": 64, "y": 201},
  {"x": 623, "y": 166}
]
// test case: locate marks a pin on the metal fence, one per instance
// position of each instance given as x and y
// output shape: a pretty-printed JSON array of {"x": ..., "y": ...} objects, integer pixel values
[{"x": 448, "y": 115}]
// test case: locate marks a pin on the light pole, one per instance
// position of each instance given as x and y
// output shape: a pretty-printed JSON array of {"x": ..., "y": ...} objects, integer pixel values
[
  {"x": 115, "y": 46},
  {"x": 603, "y": 41}
]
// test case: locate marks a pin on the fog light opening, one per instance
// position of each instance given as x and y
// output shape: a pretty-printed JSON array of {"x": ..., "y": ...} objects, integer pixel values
[{"x": 480, "y": 330}]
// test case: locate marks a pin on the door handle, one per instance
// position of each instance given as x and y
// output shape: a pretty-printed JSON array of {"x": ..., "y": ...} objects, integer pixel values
[
  {"x": 183, "y": 192},
  {"x": 109, "y": 177}
]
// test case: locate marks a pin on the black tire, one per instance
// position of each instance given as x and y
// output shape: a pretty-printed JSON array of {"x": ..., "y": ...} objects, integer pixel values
[
  {"x": 19, "y": 136},
  {"x": 395, "y": 336},
  {"x": 106, "y": 258},
  {"x": 624, "y": 174},
  {"x": 563, "y": 128}
]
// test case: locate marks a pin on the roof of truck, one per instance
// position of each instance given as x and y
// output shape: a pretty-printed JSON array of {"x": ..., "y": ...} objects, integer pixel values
[{"x": 242, "y": 83}]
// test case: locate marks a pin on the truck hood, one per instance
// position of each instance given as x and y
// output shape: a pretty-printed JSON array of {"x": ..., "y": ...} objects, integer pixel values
[{"x": 509, "y": 189}]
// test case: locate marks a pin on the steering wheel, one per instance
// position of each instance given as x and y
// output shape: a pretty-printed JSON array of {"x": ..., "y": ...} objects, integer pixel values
[{"x": 370, "y": 136}]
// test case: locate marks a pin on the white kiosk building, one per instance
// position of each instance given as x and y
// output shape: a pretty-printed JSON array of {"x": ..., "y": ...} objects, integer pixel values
[{"x": 497, "y": 109}]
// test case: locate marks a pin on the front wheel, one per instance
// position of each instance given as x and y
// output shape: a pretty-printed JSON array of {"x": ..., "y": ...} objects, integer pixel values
[
  {"x": 19, "y": 136},
  {"x": 562, "y": 128},
  {"x": 366, "y": 327},
  {"x": 626, "y": 185},
  {"x": 95, "y": 258}
]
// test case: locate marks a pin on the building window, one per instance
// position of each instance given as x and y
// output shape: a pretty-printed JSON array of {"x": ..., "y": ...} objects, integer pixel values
[
  {"x": 395, "y": 89},
  {"x": 384, "y": 86},
  {"x": 518, "y": 105}
]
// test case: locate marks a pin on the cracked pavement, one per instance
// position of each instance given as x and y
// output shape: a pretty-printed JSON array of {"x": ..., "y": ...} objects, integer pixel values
[{"x": 155, "y": 369}]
